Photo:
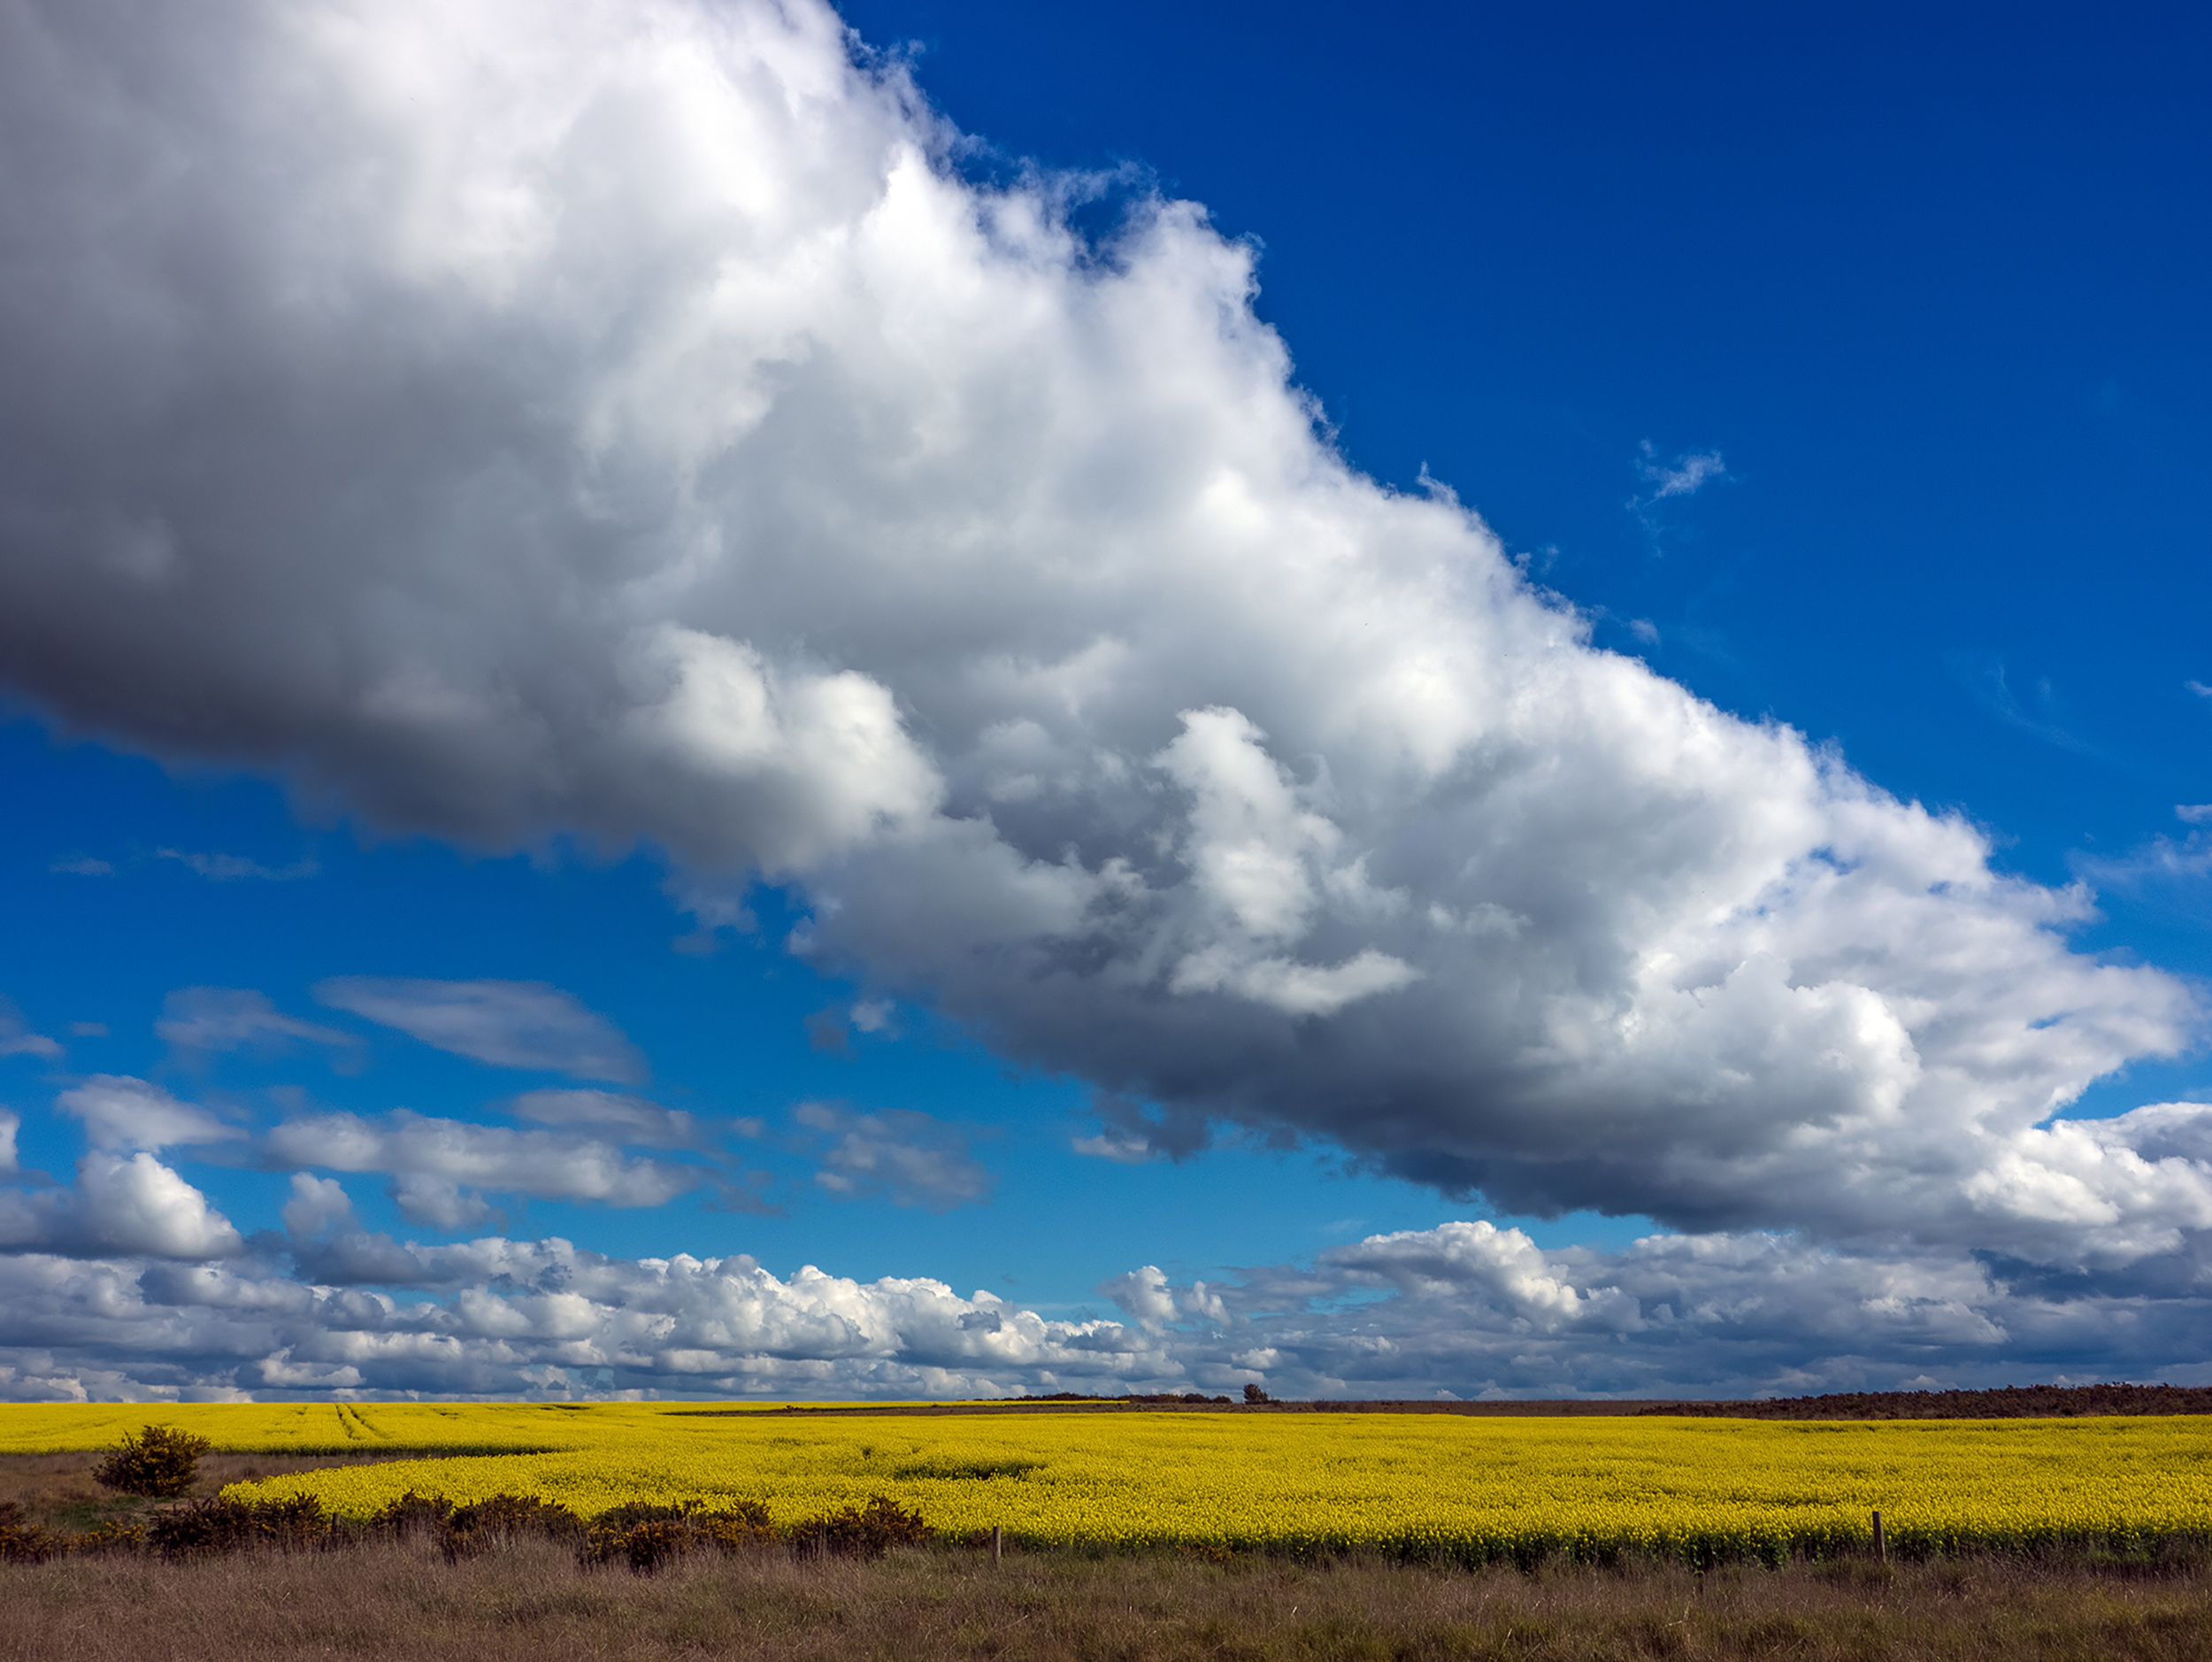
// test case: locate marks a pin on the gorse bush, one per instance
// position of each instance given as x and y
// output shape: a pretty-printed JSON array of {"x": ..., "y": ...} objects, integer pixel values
[
  {"x": 866, "y": 1532},
  {"x": 640, "y": 1535},
  {"x": 159, "y": 1460},
  {"x": 493, "y": 1525},
  {"x": 210, "y": 1529},
  {"x": 646, "y": 1537}
]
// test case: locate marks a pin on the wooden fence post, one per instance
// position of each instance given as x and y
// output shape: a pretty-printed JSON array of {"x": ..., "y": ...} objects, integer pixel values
[
  {"x": 1881, "y": 1546},
  {"x": 997, "y": 1541}
]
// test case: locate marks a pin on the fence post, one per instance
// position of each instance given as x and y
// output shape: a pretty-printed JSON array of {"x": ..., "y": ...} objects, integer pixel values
[
  {"x": 1881, "y": 1546},
  {"x": 997, "y": 1541}
]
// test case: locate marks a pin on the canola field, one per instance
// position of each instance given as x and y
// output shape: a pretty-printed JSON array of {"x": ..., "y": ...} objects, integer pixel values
[
  {"x": 1435, "y": 1485},
  {"x": 324, "y": 1428}
]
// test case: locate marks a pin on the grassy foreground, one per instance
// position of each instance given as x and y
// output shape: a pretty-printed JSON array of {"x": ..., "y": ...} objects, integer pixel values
[{"x": 401, "y": 1601}]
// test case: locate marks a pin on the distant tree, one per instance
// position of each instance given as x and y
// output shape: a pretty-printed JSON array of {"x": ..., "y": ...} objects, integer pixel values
[
  {"x": 1254, "y": 1394},
  {"x": 159, "y": 1460}
]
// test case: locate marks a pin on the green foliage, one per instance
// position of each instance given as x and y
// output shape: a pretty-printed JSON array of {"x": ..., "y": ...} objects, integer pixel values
[
  {"x": 158, "y": 1460},
  {"x": 1255, "y": 1394}
]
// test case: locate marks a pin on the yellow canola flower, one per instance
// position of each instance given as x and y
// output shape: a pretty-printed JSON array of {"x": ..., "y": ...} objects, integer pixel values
[{"x": 1458, "y": 1486}]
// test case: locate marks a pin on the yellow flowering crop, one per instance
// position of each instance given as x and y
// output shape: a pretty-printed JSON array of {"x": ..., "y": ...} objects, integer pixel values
[{"x": 1462, "y": 1487}]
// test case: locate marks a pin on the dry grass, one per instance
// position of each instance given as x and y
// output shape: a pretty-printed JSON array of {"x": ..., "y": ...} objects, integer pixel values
[{"x": 531, "y": 1603}]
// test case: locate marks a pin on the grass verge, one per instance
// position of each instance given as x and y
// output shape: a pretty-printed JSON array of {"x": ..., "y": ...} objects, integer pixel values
[{"x": 531, "y": 1601}]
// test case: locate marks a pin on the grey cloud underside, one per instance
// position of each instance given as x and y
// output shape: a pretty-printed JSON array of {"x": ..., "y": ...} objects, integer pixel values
[
  {"x": 648, "y": 434},
  {"x": 1465, "y": 1309}
]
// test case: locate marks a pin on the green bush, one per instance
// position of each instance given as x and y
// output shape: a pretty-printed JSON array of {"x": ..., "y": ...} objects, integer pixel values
[{"x": 159, "y": 1460}]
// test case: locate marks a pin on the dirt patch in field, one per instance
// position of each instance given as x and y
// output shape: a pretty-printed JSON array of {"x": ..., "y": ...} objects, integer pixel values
[{"x": 58, "y": 1491}]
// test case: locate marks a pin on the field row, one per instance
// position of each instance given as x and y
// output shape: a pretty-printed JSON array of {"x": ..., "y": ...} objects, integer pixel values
[{"x": 1467, "y": 1488}]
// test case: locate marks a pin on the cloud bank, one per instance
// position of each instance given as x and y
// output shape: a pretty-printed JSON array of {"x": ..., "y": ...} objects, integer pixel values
[
  {"x": 1465, "y": 1309},
  {"x": 630, "y": 423}
]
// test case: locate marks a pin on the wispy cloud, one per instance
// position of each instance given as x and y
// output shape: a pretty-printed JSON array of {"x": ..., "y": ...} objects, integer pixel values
[
  {"x": 441, "y": 1168},
  {"x": 233, "y": 1018},
  {"x": 82, "y": 865},
  {"x": 1121, "y": 1147},
  {"x": 1685, "y": 475},
  {"x": 16, "y": 1038},
  {"x": 2040, "y": 713},
  {"x": 2175, "y": 876},
  {"x": 617, "y": 1117},
  {"x": 508, "y": 1024},
  {"x": 234, "y": 868},
  {"x": 908, "y": 1159}
]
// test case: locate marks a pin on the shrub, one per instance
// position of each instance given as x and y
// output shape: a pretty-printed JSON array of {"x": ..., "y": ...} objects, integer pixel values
[
  {"x": 208, "y": 1528},
  {"x": 863, "y": 1531},
  {"x": 21, "y": 1541},
  {"x": 159, "y": 1460},
  {"x": 1255, "y": 1394},
  {"x": 484, "y": 1524},
  {"x": 412, "y": 1514},
  {"x": 647, "y": 1536}
]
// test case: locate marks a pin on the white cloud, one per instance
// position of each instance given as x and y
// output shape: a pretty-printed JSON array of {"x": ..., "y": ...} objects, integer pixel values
[
  {"x": 508, "y": 1024},
  {"x": 666, "y": 446},
  {"x": 139, "y": 1205},
  {"x": 128, "y": 1206},
  {"x": 234, "y": 1018},
  {"x": 1144, "y": 1296},
  {"x": 122, "y": 1112},
  {"x": 1685, "y": 476},
  {"x": 909, "y": 1158},
  {"x": 318, "y": 1205},
  {"x": 231, "y": 868},
  {"x": 430, "y": 1160},
  {"x": 1122, "y": 1147},
  {"x": 82, "y": 866},
  {"x": 9, "y": 1125},
  {"x": 1465, "y": 1309}
]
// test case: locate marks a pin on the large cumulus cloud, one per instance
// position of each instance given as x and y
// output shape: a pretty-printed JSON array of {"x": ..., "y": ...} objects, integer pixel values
[{"x": 626, "y": 419}]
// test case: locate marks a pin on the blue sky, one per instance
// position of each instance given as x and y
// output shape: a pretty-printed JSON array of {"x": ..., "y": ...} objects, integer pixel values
[{"x": 1181, "y": 806}]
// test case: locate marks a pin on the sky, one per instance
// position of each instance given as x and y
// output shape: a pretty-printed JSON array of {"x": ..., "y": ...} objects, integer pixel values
[{"x": 710, "y": 698}]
